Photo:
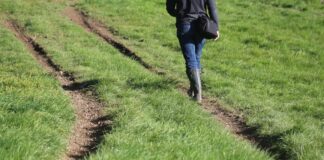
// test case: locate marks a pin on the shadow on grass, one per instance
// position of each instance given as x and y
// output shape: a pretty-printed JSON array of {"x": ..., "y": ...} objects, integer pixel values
[
  {"x": 77, "y": 86},
  {"x": 97, "y": 134},
  {"x": 150, "y": 85},
  {"x": 273, "y": 144}
]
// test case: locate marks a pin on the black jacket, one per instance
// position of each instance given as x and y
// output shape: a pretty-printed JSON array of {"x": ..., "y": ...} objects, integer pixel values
[{"x": 188, "y": 10}]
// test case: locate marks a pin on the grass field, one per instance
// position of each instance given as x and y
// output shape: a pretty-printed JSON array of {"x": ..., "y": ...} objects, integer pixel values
[
  {"x": 152, "y": 120},
  {"x": 268, "y": 64},
  {"x": 34, "y": 124}
]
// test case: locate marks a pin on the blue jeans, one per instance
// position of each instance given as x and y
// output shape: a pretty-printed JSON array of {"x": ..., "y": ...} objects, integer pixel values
[{"x": 191, "y": 44}]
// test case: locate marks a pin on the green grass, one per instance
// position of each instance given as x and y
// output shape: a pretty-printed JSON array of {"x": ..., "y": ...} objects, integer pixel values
[
  {"x": 152, "y": 120},
  {"x": 35, "y": 114},
  {"x": 268, "y": 63}
]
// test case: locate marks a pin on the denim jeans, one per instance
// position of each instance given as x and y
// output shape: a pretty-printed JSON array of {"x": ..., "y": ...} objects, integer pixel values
[{"x": 191, "y": 44}]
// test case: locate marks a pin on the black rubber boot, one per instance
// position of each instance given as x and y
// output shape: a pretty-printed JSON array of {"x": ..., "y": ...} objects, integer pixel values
[
  {"x": 190, "y": 91},
  {"x": 195, "y": 75}
]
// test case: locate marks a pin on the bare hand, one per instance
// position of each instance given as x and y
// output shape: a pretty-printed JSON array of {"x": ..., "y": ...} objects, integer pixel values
[{"x": 218, "y": 35}]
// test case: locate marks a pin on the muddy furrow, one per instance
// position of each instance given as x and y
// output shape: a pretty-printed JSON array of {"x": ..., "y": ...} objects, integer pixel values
[
  {"x": 100, "y": 30},
  {"x": 231, "y": 120},
  {"x": 237, "y": 125},
  {"x": 91, "y": 123}
]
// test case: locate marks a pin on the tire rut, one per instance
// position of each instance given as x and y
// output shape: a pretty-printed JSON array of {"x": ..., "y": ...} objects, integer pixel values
[
  {"x": 100, "y": 30},
  {"x": 91, "y": 123},
  {"x": 233, "y": 121}
]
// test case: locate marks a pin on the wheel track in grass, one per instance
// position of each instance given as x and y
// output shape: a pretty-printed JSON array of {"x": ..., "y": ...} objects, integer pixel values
[
  {"x": 100, "y": 30},
  {"x": 91, "y": 123},
  {"x": 233, "y": 121}
]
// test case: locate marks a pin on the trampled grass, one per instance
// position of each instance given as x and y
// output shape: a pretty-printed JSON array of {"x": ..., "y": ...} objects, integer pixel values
[
  {"x": 35, "y": 114},
  {"x": 152, "y": 120},
  {"x": 268, "y": 62}
]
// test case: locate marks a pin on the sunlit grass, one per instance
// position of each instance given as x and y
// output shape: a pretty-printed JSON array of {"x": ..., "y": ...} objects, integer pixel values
[
  {"x": 267, "y": 64},
  {"x": 35, "y": 114},
  {"x": 152, "y": 120}
]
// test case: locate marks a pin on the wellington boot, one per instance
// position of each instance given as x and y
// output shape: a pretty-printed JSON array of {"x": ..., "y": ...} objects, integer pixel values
[
  {"x": 195, "y": 75},
  {"x": 190, "y": 91}
]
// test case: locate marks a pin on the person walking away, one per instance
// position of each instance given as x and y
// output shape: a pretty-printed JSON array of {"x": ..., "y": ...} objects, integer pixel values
[{"x": 191, "y": 41}]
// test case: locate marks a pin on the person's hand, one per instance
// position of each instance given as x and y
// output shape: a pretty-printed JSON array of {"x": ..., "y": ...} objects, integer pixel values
[{"x": 218, "y": 35}]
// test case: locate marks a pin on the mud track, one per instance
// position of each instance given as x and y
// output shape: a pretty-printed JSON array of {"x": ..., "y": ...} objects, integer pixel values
[
  {"x": 233, "y": 121},
  {"x": 100, "y": 30},
  {"x": 91, "y": 123}
]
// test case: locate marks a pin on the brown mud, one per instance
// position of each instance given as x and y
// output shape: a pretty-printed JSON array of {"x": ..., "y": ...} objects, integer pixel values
[
  {"x": 91, "y": 123},
  {"x": 233, "y": 121}
]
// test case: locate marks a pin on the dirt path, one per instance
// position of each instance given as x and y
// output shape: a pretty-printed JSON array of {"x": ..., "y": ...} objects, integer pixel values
[
  {"x": 91, "y": 123},
  {"x": 231, "y": 120}
]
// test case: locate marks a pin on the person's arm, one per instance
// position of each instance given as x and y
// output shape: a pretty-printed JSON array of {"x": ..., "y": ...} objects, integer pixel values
[
  {"x": 171, "y": 7},
  {"x": 212, "y": 9}
]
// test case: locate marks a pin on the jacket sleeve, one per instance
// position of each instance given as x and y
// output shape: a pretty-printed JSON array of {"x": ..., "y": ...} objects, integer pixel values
[
  {"x": 212, "y": 9},
  {"x": 171, "y": 7}
]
